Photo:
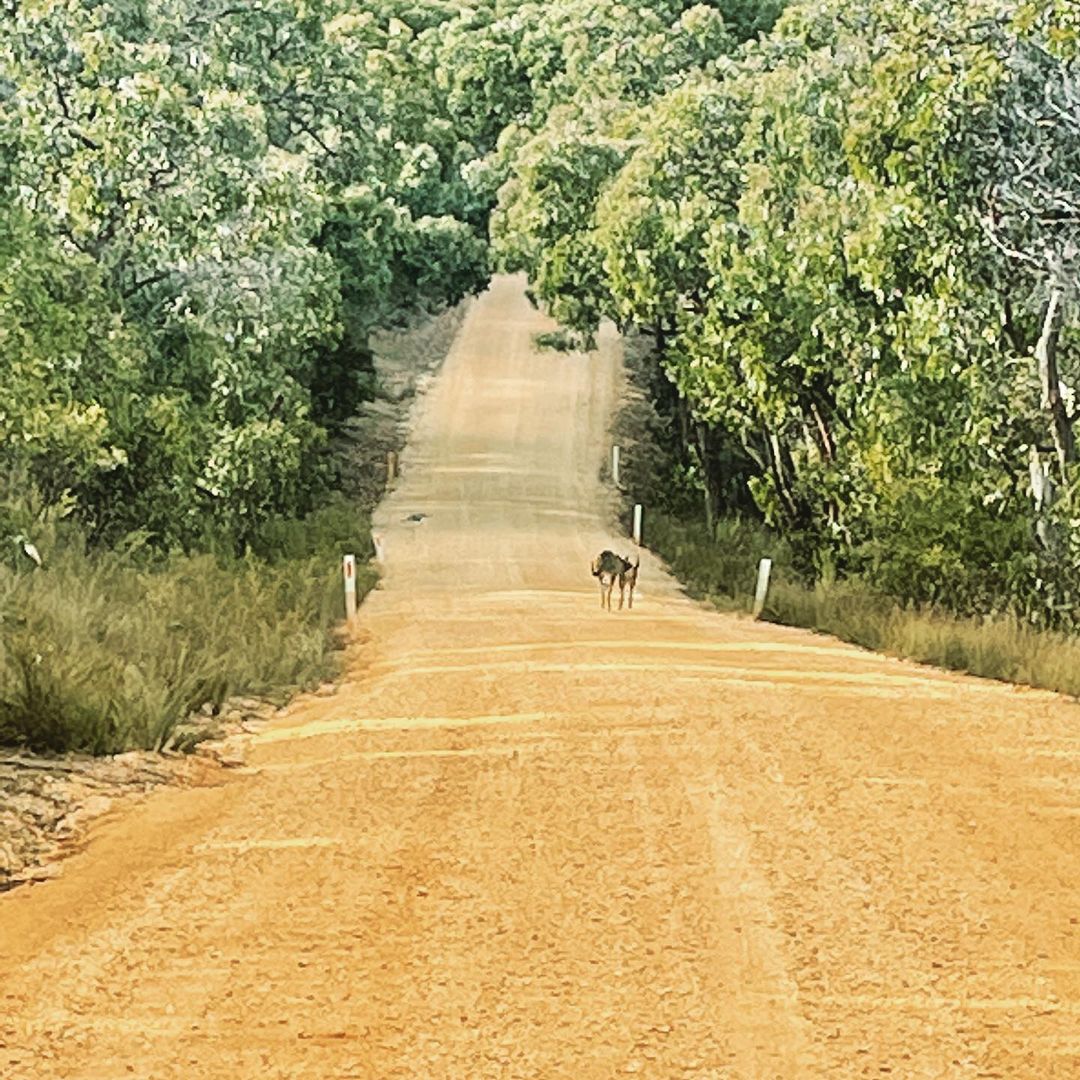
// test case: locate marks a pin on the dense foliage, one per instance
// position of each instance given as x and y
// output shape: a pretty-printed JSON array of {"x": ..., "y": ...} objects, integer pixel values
[
  {"x": 204, "y": 211},
  {"x": 855, "y": 243}
]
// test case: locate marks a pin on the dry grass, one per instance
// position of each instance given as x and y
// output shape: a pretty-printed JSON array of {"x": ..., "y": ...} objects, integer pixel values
[
  {"x": 109, "y": 651},
  {"x": 723, "y": 570}
]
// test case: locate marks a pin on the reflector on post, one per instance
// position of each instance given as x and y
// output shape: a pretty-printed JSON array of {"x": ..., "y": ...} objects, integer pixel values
[{"x": 348, "y": 569}]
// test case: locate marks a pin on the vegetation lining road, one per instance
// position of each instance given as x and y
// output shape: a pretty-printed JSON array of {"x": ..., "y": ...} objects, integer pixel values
[
  {"x": 718, "y": 562},
  {"x": 530, "y": 838},
  {"x": 863, "y": 308}
]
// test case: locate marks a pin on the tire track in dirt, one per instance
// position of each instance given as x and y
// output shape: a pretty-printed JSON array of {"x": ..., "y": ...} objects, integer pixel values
[{"x": 531, "y": 839}]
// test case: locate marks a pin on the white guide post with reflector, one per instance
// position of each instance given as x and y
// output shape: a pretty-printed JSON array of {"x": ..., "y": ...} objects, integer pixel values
[
  {"x": 348, "y": 569},
  {"x": 764, "y": 569},
  {"x": 615, "y": 464},
  {"x": 637, "y": 524}
]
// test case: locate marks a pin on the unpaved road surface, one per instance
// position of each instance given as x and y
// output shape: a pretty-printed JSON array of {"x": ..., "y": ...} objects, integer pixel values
[{"x": 532, "y": 839}]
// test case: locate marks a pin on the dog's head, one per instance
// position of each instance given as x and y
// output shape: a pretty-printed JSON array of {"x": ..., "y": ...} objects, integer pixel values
[{"x": 594, "y": 567}]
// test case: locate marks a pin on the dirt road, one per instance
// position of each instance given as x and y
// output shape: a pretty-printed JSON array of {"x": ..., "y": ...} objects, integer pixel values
[{"x": 530, "y": 839}]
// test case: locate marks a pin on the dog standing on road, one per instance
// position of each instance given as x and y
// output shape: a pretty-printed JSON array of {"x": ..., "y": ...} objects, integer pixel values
[{"x": 609, "y": 568}]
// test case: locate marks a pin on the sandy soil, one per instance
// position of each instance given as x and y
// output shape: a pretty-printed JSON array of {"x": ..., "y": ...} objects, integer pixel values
[{"x": 532, "y": 839}]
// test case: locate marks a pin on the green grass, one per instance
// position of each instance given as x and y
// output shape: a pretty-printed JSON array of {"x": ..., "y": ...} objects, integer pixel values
[
  {"x": 109, "y": 651},
  {"x": 722, "y": 569}
]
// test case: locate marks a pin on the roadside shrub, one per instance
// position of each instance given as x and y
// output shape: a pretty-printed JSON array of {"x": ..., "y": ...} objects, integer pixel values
[
  {"x": 720, "y": 566},
  {"x": 558, "y": 341}
]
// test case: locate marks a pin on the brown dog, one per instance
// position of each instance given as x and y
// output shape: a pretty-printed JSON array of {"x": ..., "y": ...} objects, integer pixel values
[{"x": 609, "y": 568}]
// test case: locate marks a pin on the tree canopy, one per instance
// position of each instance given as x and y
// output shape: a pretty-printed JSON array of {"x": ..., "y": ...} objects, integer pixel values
[
  {"x": 851, "y": 231},
  {"x": 854, "y": 239}
]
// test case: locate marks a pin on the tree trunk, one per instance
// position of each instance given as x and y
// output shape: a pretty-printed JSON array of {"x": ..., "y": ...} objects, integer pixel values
[
  {"x": 706, "y": 478},
  {"x": 1042, "y": 491},
  {"x": 1012, "y": 330},
  {"x": 660, "y": 339},
  {"x": 777, "y": 462},
  {"x": 683, "y": 413},
  {"x": 1050, "y": 380},
  {"x": 824, "y": 435}
]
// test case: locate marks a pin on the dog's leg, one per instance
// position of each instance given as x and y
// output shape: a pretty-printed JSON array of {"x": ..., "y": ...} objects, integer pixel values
[
  {"x": 611, "y": 585},
  {"x": 622, "y": 590}
]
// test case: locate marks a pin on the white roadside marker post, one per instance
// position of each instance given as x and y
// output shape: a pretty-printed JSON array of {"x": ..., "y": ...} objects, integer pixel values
[
  {"x": 764, "y": 569},
  {"x": 348, "y": 568},
  {"x": 615, "y": 465},
  {"x": 380, "y": 551},
  {"x": 637, "y": 524}
]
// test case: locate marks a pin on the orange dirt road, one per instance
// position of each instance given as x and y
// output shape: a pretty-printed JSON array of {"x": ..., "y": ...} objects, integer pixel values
[{"x": 530, "y": 839}]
